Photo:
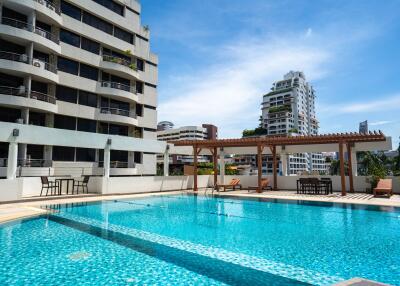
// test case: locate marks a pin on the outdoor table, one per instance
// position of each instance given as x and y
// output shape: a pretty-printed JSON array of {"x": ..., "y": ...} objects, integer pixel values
[{"x": 67, "y": 180}]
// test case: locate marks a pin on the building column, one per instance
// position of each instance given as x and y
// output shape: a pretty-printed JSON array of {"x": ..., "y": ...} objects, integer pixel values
[
  {"x": 342, "y": 174},
  {"x": 106, "y": 163},
  {"x": 259, "y": 167},
  {"x": 12, "y": 160},
  {"x": 195, "y": 153},
  {"x": 350, "y": 163},
  {"x": 166, "y": 161},
  {"x": 284, "y": 162},
  {"x": 215, "y": 165},
  {"x": 353, "y": 155},
  {"x": 222, "y": 166},
  {"x": 274, "y": 162}
]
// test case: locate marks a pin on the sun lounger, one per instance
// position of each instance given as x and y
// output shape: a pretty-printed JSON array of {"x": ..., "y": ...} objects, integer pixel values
[
  {"x": 232, "y": 185},
  {"x": 264, "y": 186},
  {"x": 384, "y": 187}
]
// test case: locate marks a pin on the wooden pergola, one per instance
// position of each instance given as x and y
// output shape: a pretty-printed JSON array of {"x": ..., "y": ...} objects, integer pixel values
[{"x": 344, "y": 140}]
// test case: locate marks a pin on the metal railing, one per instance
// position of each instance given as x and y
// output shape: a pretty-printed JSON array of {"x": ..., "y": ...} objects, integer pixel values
[
  {"x": 50, "y": 5},
  {"x": 31, "y": 28},
  {"x": 34, "y": 163},
  {"x": 118, "y": 85},
  {"x": 21, "y": 91},
  {"x": 23, "y": 58},
  {"x": 116, "y": 164},
  {"x": 121, "y": 61},
  {"x": 116, "y": 111}
]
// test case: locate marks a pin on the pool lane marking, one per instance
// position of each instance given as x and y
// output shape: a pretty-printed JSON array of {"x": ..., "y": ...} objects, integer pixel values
[{"x": 244, "y": 260}]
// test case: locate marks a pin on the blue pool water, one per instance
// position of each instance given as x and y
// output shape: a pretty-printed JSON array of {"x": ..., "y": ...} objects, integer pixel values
[{"x": 200, "y": 240}]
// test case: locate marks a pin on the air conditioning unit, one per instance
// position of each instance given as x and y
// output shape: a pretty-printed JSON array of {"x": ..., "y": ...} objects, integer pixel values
[
  {"x": 37, "y": 63},
  {"x": 21, "y": 90},
  {"x": 106, "y": 84},
  {"x": 20, "y": 121},
  {"x": 23, "y": 58}
]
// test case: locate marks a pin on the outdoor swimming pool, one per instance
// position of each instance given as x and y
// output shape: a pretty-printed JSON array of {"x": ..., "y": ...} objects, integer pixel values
[{"x": 199, "y": 240}]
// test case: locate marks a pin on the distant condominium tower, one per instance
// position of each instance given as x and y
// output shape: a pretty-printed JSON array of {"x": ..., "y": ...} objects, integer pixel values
[
  {"x": 82, "y": 66},
  {"x": 164, "y": 125},
  {"x": 290, "y": 108}
]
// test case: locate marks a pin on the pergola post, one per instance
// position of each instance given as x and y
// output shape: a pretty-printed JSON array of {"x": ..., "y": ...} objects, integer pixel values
[
  {"x": 12, "y": 161},
  {"x": 215, "y": 165},
  {"x": 342, "y": 175},
  {"x": 259, "y": 166},
  {"x": 274, "y": 171},
  {"x": 222, "y": 166},
  {"x": 195, "y": 168},
  {"x": 284, "y": 160},
  {"x": 350, "y": 163},
  {"x": 166, "y": 161}
]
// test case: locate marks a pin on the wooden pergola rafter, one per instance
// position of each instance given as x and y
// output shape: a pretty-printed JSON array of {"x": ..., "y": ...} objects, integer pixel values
[{"x": 347, "y": 140}]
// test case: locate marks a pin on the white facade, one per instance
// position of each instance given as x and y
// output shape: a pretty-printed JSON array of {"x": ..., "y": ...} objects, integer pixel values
[
  {"x": 290, "y": 108},
  {"x": 81, "y": 66}
]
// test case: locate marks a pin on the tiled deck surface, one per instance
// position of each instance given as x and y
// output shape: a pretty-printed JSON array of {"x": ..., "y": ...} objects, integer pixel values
[{"x": 360, "y": 282}]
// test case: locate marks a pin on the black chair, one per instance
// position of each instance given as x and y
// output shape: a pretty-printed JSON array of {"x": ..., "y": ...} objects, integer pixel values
[
  {"x": 82, "y": 184},
  {"x": 326, "y": 183},
  {"x": 304, "y": 185},
  {"x": 48, "y": 185}
]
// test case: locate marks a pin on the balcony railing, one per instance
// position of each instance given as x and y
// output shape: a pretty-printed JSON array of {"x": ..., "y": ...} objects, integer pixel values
[
  {"x": 120, "y": 61},
  {"x": 23, "y": 58},
  {"x": 28, "y": 27},
  {"x": 116, "y": 164},
  {"x": 116, "y": 111},
  {"x": 50, "y": 5},
  {"x": 34, "y": 163},
  {"x": 3, "y": 162},
  {"x": 21, "y": 91},
  {"x": 117, "y": 85}
]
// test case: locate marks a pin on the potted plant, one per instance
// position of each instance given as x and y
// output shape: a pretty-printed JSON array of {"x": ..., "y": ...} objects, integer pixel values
[
  {"x": 128, "y": 52},
  {"x": 132, "y": 66}
]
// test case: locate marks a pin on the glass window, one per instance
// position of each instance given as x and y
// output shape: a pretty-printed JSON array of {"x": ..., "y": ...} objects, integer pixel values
[
  {"x": 87, "y": 98},
  {"x": 123, "y": 35},
  {"x": 97, "y": 23},
  {"x": 39, "y": 86},
  {"x": 9, "y": 80},
  {"x": 70, "y": 38},
  {"x": 138, "y": 157},
  {"x": 89, "y": 72},
  {"x": 139, "y": 87},
  {"x": 71, "y": 10},
  {"x": 121, "y": 156},
  {"x": 103, "y": 128},
  {"x": 63, "y": 153},
  {"x": 35, "y": 152},
  {"x": 66, "y": 94},
  {"x": 90, "y": 46},
  {"x": 118, "y": 130},
  {"x": 9, "y": 114},
  {"x": 64, "y": 122},
  {"x": 36, "y": 118},
  {"x": 139, "y": 109},
  {"x": 41, "y": 56},
  {"x": 43, "y": 26},
  {"x": 140, "y": 64},
  {"x": 87, "y": 125},
  {"x": 68, "y": 66},
  {"x": 85, "y": 155},
  {"x": 115, "y": 7}
]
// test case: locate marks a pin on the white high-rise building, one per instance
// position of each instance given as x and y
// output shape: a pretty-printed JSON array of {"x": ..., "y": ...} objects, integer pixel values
[
  {"x": 290, "y": 108},
  {"x": 82, "y": 66}
]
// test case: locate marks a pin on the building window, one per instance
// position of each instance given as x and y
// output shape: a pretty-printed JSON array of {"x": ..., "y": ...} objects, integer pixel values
[
  {"x": 140, "y": 64},
  {"x": 97, "y": 23},
  {"x": 123, "y": 35},
  {"x": 9, "y": 114},
  {"x": 67, "y": 94},
  {"x": 87, "y": 98},
  {"x": 89, "y": 72},
  {"x": 70, "y": 38},
  {"x": 85, "y": 155},
  {"x": 68, "y": 66},
  {"x": 63, "y": 153},
  {"x": 64, "y": 122},
  {"x": 87, "y": 125},
  {"x": 139, "y": 87},
  {"x": 118, "y": 130},
  {"x": 115, "y": 7},
  {"x": 36, "y": 118},
  {"x": 90, "y": 46},
  {"x": 71, "y": 10},
  {"x": 137, "y": 157}
]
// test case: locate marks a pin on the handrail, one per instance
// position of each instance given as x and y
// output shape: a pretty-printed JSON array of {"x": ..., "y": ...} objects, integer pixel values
[
  {"x": 31, "y": 28},
  {"x": 23, "y": 58},
  {"x": 21, "y": 91},
  {"x": 49, "y": 5},
  {"x": 117, "y": 111},
  {"x": 118, "y": 85}
]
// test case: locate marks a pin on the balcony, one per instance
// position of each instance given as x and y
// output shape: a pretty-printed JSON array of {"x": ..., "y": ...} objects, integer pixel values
[
  {"x": 119, "y": 66},
  {"x": 116, "y": 115},
  {"x": 30, "y": 33},
  {"x": 23, "y": 64},
  {"x": 119, "y": 90},
  {"x": 19, "y": 96},
  {"x": 49, "y": 5}
]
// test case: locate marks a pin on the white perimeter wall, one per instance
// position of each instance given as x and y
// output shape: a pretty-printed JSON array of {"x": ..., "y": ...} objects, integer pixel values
[{"x": 11, "y": 190}]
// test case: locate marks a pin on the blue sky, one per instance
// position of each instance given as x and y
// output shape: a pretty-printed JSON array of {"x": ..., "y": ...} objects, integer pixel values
[{"x": 218, "y": 57}]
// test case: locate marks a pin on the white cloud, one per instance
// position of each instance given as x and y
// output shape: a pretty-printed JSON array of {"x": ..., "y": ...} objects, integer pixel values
[
  {"x": 382, "y": 122},
  {"x": 229, "y": 93},
  {"x": 309, "y": 33}
]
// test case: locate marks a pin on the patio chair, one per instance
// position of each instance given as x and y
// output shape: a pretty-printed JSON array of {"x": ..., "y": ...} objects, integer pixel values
[
  {"x": 48, "y": 185},
  {"x": 264, "y": 186},
  {"x": 384, "y": 187},
  {"x": 232, "y": 185},
  {"x": 326, "y": 184},
  {"x": 303, "y": 185},
  {"x": 82, "y": 184}
]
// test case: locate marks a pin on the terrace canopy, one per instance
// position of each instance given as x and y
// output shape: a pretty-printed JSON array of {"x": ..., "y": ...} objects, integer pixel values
[{"x": 288, "y": 144}]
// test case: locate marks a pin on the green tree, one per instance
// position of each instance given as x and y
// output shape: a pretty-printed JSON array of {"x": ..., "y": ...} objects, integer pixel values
[{"x": 373, "y": 165}]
